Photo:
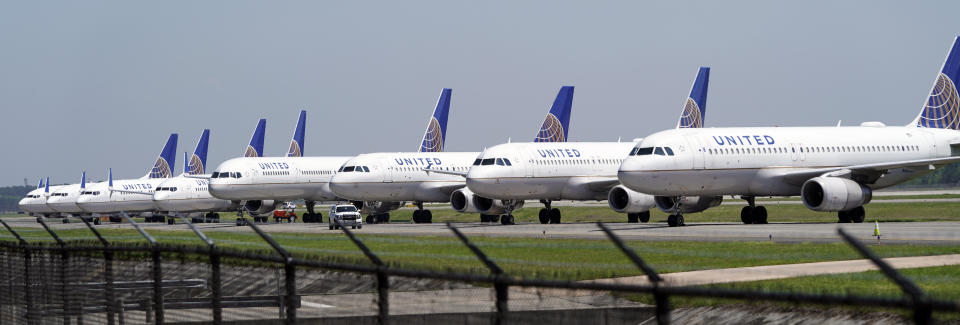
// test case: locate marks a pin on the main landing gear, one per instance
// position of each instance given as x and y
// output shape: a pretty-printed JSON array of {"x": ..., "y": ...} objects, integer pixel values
[
  {"x": 311, "y": 216},
  {"x": 378, "y": 218},
  {"x": 752, "y": 213},
  {"x": 676, "y": 220},
  {"x": 639, "y": 217},
  {"x": 548, "y": 215},
  {"x": 855, "y": 215},
  {"x": 422, "y": 216},
  {"x": 506, "y": 219}
]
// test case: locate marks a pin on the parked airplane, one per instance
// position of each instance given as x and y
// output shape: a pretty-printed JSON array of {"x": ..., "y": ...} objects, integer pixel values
[
  {"x": 833, "y": 169},
  {"x": 189, "y": 195},
  {"x": 261, "y": 184},
  {"x": 507, "y": 174},
  {"x": 35, "y": 202},
  {"x": 425, "y": 176},
  {"x": 130, "y": 195},
  {"x": 64, "y": 199}
]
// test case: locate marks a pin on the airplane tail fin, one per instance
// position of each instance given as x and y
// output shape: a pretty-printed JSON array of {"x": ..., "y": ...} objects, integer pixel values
[
  {"x": 296, "y": 145},
  {"x": 163, "y": 167},
  {"x": 942, "y": 108},
  {"x": 436, "y": 133},
  {"x": 110, "y": 177},
  {"x": 83, "y": 180},
  {"x": 557, "y": 123},
  {"x": 41, "y": 183},
  {"x": 46, "y": 188},
  {"x": 695, "y": 109},
  {"x": 255, "y": 148},
  {"x": 198, "y": 161}
]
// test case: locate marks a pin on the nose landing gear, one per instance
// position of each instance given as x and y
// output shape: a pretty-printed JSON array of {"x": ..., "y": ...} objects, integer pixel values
[{"x": 676, "y": 220}]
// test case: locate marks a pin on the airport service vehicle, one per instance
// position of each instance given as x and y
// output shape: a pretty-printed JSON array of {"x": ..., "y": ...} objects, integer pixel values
[
  {"x": 186, "y": 195},
  {"x": 345, "y": 215},
  {"x": 35, "y": 202},
  {"x": 117, "y": 197},
  {"x": 378, "y": 183},
  {"x": 261, "y": 184},
  {"x": 505, "y": 175},
  {"x": 832, "y": 169}
]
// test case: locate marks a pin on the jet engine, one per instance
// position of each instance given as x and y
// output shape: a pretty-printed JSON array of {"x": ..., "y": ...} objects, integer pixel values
[
  {"x": 493, "y": 206},
  {"x": 625, "y": 200},
  {"x": 834, "y": 194},
  {"x": 688, "y": 204},
  {"x": 258, "y": 207},
  {"x": 462, "y": 201}
]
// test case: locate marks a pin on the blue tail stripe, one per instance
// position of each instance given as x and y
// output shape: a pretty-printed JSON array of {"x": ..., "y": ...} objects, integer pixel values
[
  {"x": 46, "y": 187},
  {"x": 197, "y": 163},
  {"x": 436, "y": 134},
  {"x": 695, "y": 109},
  {"x": 110, "y": 177},
  {"x": 942, "y": 108},
  {"x": 556, "y": 124},
  {"x": 296, "y": 145},
  {"x": 165, "y": 164},
  {"x": 83, "y": 180},
  {"x": 255, "y": 148},
  {"x": 41, "y": 183}
]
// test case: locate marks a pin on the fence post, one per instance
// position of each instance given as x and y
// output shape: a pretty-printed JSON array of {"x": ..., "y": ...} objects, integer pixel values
[
  {"x": 157, "y": 270},
  {"x": 64, "y": 266},
  {"x": 27, "y": 290},
  {"x": 383, "y": 282},
  {"x": 108, "y": 294},
  {"x": 662, "y": 300},
  {"x": 922, "y": 313},
  {"x": 498, "y": 275},
  {"x": 215, "y": 286},
  {"x": 289, "y": 269}
]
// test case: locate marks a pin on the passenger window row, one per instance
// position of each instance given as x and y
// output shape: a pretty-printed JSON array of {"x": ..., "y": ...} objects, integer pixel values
[
  {"x": 276, "y": 172},
  {"x": 317, "y": 172},
  {"x": 813, "y": 149},
  {"x": 554, "y": 162}
]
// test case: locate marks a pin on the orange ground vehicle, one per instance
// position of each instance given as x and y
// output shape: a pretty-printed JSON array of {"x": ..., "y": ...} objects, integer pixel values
[{"x": 280, "y": 214}]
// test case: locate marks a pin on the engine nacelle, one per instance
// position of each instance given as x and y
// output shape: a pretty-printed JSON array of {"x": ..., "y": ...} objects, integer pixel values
[
  {"x": 462, "y": 201},
  {"x": 625, "y": 200},
  {"x": 494, "y": 206},
  {"x": 376, "y": 207},
  {"x": 688, "y": 204},
  {"x": 258, "y": 207},
  {"x": 834, "y": 194}
]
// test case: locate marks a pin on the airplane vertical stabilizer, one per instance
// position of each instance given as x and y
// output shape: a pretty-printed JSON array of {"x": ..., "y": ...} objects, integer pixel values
[
  {"x": 695, "y": 109},
  {"x": 942, "y": 108},
  {"x": 296, "y": 145},
  {"x": 436, "y": 133},
  {"x": 83, "y": 180},
  {"x": 557, "y": 122},
  {"x": 41, "y": 183},
  {"x": 163, "y": 167},
  {"x": 255, "y": 148},
  {"x": 198, "y": 161}
]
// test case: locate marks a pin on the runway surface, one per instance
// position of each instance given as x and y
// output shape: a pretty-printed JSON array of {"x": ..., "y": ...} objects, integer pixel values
[{"x": 891, "y": 232}]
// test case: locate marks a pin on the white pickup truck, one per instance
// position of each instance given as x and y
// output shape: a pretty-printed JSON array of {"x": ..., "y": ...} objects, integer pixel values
[{"x": 346, "y": 214}]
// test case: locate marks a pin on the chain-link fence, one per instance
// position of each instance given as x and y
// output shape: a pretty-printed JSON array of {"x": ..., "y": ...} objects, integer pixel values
[{"x": 96, "y": 282}]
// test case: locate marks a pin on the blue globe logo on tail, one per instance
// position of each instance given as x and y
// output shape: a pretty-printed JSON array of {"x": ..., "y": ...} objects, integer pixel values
[
  {"x": 942, "y": 110},
  {"x": 551, "y": 130},
  {"x": 161, "y": 169},
  {"x": 196, "y": 165},
  {"x": 690, "y": 118},
  {"x": 433, "y": 139}
]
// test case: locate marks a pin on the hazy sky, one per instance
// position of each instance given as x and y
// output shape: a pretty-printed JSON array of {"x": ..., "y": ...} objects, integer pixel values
[{"x": 87, "y": 85}]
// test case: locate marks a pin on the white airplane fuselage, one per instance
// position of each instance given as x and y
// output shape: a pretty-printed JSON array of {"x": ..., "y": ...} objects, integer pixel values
[
  {"x": 105, "y": 201},
  {"x": 401, "y": 177},
  {"x": 548, "y": 170},
  {"x": 65, "y": 199},
  {"x": 185, "y": 194},
  {"x": 752, "y": 161},
  {"x": 275, "y": 178},
  {"x": 35, "y": 202}
]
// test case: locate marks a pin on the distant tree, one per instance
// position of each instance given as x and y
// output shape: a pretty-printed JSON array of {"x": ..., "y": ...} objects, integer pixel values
[{"x": 10, "y": 196}]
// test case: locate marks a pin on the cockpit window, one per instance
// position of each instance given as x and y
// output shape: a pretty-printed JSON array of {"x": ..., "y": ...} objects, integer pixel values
[
  {"x": 348, "y": 169},
  {"x": 658, "y": 151},
  {"x": 669, "y": 151},
  {"x": 215, "y": 175},
  {"x": 644, "y": 151},
  {"x": 487, "y": 162},
  {"x": 507, "y": 161},
  {"x": 365, "y": 169},
  {"x": 499, "y": 161},
  {"x": 477, "y": 162}
]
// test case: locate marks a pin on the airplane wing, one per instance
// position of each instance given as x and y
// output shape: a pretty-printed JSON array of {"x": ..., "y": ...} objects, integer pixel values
[
  {"x": 869, "y": 173},
  {"x": 600, "y": 185},
  {"x": 446, "y": 172}
]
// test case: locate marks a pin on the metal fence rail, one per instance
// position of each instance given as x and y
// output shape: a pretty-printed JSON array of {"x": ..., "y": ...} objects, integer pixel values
[{"x": 102, "y": 282}]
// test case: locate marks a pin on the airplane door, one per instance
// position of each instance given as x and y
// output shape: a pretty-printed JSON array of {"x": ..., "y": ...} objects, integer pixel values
[
  {"x": 387, "y": 174},
  {"x": 697, "y": 150},
  {"x": 528, "y": 167}
]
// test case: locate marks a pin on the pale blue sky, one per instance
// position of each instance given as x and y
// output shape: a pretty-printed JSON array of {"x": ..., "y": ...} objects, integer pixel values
[{"x": 87, "y": 85}]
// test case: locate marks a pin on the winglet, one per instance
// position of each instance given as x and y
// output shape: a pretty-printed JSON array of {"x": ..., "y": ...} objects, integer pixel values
[
  {"x": 198, "y": 162},
  {"x": 296, "y": 145},
  {"x": 436, "y": 133},
  {"x": 83, "y": 180},
  {"x": 557, "y": 122},
  {"x": 255, "y": 148},
  {"x": 695, "y": 108},
  {"x": 942, "y": 109},
  {"x": 163, "y": 167}
]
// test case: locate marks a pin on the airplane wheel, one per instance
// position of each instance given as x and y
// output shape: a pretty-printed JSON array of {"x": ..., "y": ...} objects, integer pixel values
[
  {"x": 746, "y": 215},
  {"x": 317, "y": 217},
  {"x": 680, "y": 221},
  {"x": 216, "y": 217},
  {"x": 506, "y": 220},
  {"x": 672, "y": 220},
  {"x": 170, "y": 221},
  {"x": 428, "y": 216},
  {"x": 65, "y": 220},
  {"x": 644, "y": 216},
  {"x": 353, "y": 227},
  {"x": 843, "y": 216},
  {"x": 331, "y": 226},
  {"x": 239, "y": 222},
  {"x": 759, "y": 214},
  {"x": 554, "y": 215},
  {"x": 544, "y": 216},
  {"x": 417, "y": 216},
  {"x": 359, "y": 226},
  {"x": 858, "y": 214},
  {"x": 96, "y": 221},
  {"x": 633, "y": 218}
]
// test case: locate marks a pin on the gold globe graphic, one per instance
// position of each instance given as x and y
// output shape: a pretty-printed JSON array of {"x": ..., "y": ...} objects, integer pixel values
[
  {"x": 943, "y": 107},
  {"x": 433, "y": 139},
  {"x": 551, "y": 130},
  {"x": 196, "y": 166},
  {"x": 160, "y": 169},
  {"x": 294, "y": 149},
  {"x": 250, "y": 152},
  {"x": 690, "y": 118}
]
